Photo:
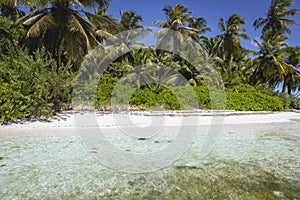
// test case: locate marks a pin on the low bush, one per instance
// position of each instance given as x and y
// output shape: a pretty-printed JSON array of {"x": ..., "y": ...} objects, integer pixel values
[
  {"x": 156, "y": 98},
  {"x": 240, "y": 97},
  {"x": 246, "y": 97}
]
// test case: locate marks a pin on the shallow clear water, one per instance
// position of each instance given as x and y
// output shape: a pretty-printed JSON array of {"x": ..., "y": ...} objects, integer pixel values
[{"x": 258, "y": 161}]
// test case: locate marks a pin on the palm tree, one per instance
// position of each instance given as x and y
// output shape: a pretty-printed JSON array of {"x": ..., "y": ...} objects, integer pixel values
[
  {"x": 176, "y": 18},
  {"x": 62, "y": 28},
  {"x": 179, "y": 19},
  {"x": 200, "y": 25},
  {"x": 228, "y": 44},
  {"x": 131, "y": 27},
  {"x": 129, "y": 31},
  {"x": 130, "y": 20},
  {"x": 276, "y": 19},
  {"x": 105, "y": 25},
  {"x": 211, "y": 46},
  {"x": 240, "y": 69},
  {"x": 179, "y": 23},
  {"x": 270, "y": 66},
  {"x": 291, "y": 80}
]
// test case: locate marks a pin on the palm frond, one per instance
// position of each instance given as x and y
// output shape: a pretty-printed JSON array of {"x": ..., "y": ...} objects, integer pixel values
[
  {"x": 221, "y": 24},
  {"x": 85, "y": 29},
  {"x": 39, "y": 27},
  {"x": 38, "y": 12}
]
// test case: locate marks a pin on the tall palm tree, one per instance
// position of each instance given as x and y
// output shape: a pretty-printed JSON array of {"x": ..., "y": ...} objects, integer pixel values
[
  {"x": 176, "y": 17},
  {"x": 270, "y": 66},
  {"x": 62, "y": 28},
  {"x": 228, "y": 42},
  {"x": 276, "y": 19},
  {"x": 178, "y": 26}
]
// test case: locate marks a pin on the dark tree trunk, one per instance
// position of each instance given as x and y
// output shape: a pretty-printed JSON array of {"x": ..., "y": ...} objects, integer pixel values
[{"x": 283, "y": 87}]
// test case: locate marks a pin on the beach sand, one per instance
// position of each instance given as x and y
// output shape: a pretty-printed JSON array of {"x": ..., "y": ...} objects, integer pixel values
[{"x": 67, "y": 123}]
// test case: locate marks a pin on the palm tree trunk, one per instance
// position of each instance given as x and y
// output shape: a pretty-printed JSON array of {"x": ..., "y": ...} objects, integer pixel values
[
  {"x": 58, "y": 55},
  {"x": 58, "y": 50},
  {"x": 228, "y": 63},
  {"x": 283, "y": 86},
  {"x": 289, "y": 89}
]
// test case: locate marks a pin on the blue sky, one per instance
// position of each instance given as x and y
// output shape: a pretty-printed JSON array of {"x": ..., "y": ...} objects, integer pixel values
[{"x": 211, "y": 10}]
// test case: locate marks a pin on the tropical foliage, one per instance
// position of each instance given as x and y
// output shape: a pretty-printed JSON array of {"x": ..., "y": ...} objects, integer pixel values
[
  {"x": 228, "y": 44},
  {"x": 42, "y": 49},
  {"x": 31, "y": 86},
  {"x": 61, "y": 29},
  {"x": 270, "y": 64}
]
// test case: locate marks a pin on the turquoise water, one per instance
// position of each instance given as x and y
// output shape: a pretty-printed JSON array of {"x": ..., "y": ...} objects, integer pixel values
[{"x": 258, "y": 161}]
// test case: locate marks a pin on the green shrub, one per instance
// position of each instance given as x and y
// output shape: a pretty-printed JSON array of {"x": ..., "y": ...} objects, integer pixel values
[
  {"x": 108, "y": 81},
  {"x": 182, "y": 97},
  {"x": 203, "y": 97},
  {"x": 289, "y": 101},
  {"x": 246, "y": 97},
  {"x": 105, "y": 89},
  {"x": 32, "y": 86},
  {"x": 240, "y": 97},
  {"x": 153, "y": 97},
  {"x": 187, "y": 97}
]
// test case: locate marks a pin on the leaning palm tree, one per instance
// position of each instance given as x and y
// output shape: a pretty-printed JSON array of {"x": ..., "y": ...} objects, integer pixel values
[
  {"x": 276, "y": 19},
  {"x": 228, "y": 44},
  {"x": 270, "y": 66},
  {"x": 62, "y": 28}
]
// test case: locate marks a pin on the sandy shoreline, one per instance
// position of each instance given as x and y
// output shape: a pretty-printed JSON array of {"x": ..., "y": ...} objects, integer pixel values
[{"x": 152, "y": 118}]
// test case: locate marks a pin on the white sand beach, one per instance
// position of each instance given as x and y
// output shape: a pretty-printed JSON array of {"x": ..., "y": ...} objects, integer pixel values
[{"x": 66, "y": 123}]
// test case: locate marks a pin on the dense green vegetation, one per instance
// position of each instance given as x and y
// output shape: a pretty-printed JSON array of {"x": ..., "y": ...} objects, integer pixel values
[
  {"x": 42, "y": 51},
  {"x": 240, "y": 97},
  {"x": 32, "y": 86}
]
